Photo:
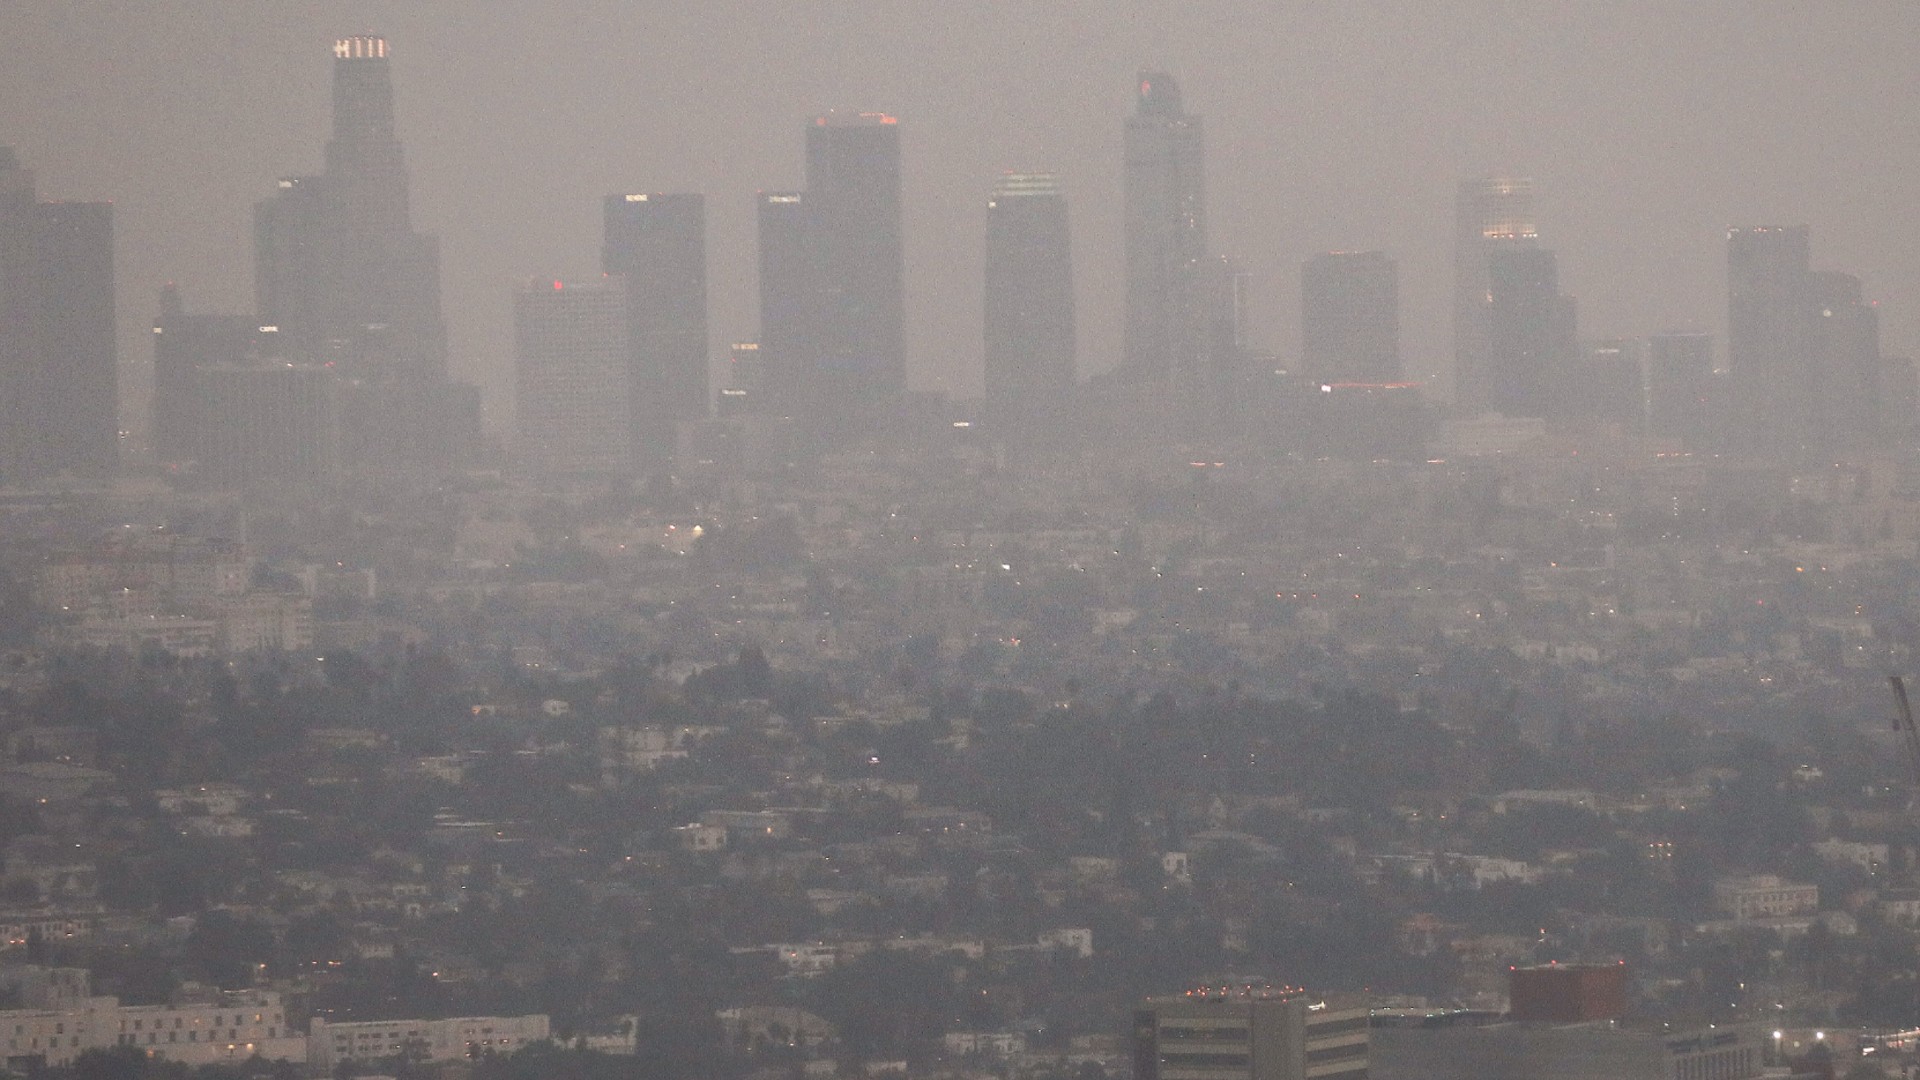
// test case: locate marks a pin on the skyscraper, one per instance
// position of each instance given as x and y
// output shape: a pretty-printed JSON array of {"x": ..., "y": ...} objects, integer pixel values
[
  {"x": 857, "y": 265},
  {"x": 1350, "y": 317},
  {"x": 787, "y": 311},
  {"x": 59, "y": 373},
  {"x": 1606, "y": 383},
  {"x": 1769, "y": 308},
  {"x": 1491, "y": 215},
  {"x": 657, "y": 244},
  {"x": 572, "y": 366},
  {"x": 183, "y": 344},
  {"x": 1843, "y": 354},
  {"x": 1166, "y": 234},
  {"x": 1029, "y": 356},
  {"x": 1530, "y": 334},
  {"x": 341, "y": 269},
  {"x": 1680, "y": 387},
  {"x": 341, "y": 272}
]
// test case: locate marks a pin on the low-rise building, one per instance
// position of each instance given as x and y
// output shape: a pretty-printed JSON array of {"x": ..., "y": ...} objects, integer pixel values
[
  {"x": 1764, "y": 896},
  {"x": 422, "y": 1040}
]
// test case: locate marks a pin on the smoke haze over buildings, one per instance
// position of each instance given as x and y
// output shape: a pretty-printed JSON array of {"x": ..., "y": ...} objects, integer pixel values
[{"x": 1649, "y": 127}]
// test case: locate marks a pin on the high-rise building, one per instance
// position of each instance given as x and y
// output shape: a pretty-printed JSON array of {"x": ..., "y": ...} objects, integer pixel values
[
  {"x": 59, "y": 377},
  {"x": 339, "y": 269},
  {"x": 268, "y": 422},
  {"x": 1491, "y": 215},
  {"x": 1241, "y": 1033},
  {"x": 657, "y": 244},
  {"x": 184, "y": 343},
  {"x": 1029, "y": 356},
  {"x": 1166, "y": 234},
  {"x": 1680, "y": 387},
  {"x": 1843, "y": 354},
  {"x": 857, "y": 266},
  {"x": 1350, "y": 317},
  {"x": 1769, "y": 304},
  {"x": 1530, "y": 335},
  {"x": 1606, "y": 383},
  {"x": 788, "y": 313},
  {"x": 572, "y": 366}
]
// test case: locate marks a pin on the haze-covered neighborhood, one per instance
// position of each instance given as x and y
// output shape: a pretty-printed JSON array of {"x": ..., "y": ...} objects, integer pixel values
[{"x": 1191, "y": 703}]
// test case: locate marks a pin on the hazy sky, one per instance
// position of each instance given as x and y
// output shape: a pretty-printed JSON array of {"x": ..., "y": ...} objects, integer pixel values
[{"x": 1648, "y": 127}]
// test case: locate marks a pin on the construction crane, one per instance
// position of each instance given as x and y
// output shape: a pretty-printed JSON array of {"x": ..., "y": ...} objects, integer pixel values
[{"x": 1903, "y": 723}]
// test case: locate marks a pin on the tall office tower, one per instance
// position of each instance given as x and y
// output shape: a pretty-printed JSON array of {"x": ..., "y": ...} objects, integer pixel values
[
  {"x": 1769, "y": 300},
  {"x": 658, "y": 245},
  {"x": 184, "y": 343},
  {"x": 1680, "y": 387},
  {"x": 59, "y": 376},
  {"x": 1029, "y": 358},
  {"x": 572, "y": 367},
  {"x": 1166, "y": 234},
  {"x": 1350, "y": 317},
  {"x": 1843, "y": 354},
  {"x": 1491, "y": 216},
  {"x": 1606, "y": 383},
  {"x": 1240, "y": 1033},
  {"x": 1530, "y": 335},
  {"x": 788, "y": 313},
  {"x": 341, "y": 272},
  {"x": 857, "y": 267},
  {"x": 268, "y": 422}
]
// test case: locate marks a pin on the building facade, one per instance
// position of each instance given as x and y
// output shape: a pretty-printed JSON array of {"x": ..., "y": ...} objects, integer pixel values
[
  {"x": 1490, "y": 215},
  {"x": 1164, "y": 195},
  {"x": 657, "y": 245},
  {"x": 1769, "y": 300},
  {"x": 1530, "y": 335},
  {"x": 352, "y": 288},
  {"x": 855, "y": 363},
  {"x": 1350, "y": 317},
  {"x": 572, "y": 365},
  {"x": 329, "y": 1044},
  {"x": 59, "y": 374},
  {"x": 63, "y": 1020},
  {"x": 1241, "y": 1033},
  {"x": 1029, "y": 317},
  {"x": 1763, "y": 896},
  {"x": 1681, "y": 390}
]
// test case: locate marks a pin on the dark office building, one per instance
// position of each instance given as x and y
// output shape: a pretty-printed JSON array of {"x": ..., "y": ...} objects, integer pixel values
[
  {"x": 271, "y": 424},
  {"x": 1350, "y": 318},
  {"x": 1605, "y": 385},
  {"x": 59, "y": 378},
  {"x": 340, "y": 269},
  {"x": 658, "y": 245},
  {"x": 1029, "y": 357},
  {"x": 857, "y": 363},
  {"x": 1843, "y": 353},
  {"x": 184, "y": 343},
  {"x": 1681, "y": 388},
  {"x": 788, "y": 314},
  {"x": 350, "y": 285},
  {"x": 1166, "y": 237},
  {"x": 1491, "y": 216},
  {"x": 1769, "y": 308},
  {"x": 1530, "y": 334}
]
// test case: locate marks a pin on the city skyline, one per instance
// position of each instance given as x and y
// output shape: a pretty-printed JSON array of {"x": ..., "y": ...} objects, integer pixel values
[{"x": 1636, "y": 211}]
